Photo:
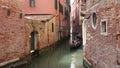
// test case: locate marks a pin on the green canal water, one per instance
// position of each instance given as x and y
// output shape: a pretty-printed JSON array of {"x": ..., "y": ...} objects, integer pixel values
[{"x": 61, "y": 57}]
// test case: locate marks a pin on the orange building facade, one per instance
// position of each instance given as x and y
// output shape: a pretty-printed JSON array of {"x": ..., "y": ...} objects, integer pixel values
[{"x": 46, "y": 22}]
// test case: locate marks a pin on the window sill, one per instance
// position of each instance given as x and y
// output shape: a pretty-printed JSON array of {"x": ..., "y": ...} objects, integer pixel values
[{"x": 105, "y": 33}]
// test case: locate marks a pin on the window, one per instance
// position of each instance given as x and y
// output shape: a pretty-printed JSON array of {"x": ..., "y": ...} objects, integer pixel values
[
  {"x": 21, "y": 15},
  {"x": 32, "y": 3},
  {"x": 60, "y": 8},
  {"x": 55, "y": 4},
  {"x": 52, "y": 27},
  {"x": 8, "y": 12},
  {"x": 64, "y": 10},
  {"x": 94, "y": 20},
  {"x": 104, "y": 27}
]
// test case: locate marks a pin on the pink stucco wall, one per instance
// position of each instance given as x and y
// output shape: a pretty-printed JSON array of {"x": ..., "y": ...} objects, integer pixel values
[{"x": 41, "y": 7}]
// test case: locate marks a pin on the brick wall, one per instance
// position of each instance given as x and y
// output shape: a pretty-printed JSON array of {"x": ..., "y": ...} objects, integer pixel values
[
  {"x": 76, "y": 17},
  {"x": 100, "y": 49},
  {"x": 53, "y": 36},
  {"x": 34, "y": 25},
  {"x": 12, "y": 31}
]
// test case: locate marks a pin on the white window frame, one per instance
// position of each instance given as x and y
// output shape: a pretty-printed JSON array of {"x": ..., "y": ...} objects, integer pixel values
[
  {"x": 104, "y": 33},
  {"x": 94, "y": 27}
]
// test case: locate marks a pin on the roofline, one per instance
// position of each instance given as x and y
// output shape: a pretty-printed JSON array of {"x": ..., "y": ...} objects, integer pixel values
[{"x": 37, "y": 14}]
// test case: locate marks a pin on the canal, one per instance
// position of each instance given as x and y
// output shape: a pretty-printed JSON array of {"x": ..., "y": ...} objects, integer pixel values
[{"x": 61, "y": 57}]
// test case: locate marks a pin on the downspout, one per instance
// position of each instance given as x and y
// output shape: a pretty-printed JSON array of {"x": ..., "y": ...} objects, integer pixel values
[{"x": 83, "y": 31}]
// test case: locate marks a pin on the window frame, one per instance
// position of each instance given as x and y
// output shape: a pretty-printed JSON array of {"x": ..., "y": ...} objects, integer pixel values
[
  {"x": 52, "y": 27},
  {"x": 101, "y": 28},
  {"x": 61, "y": 8},
  {"x": 8, "y": 12},
  {"x": 56, "y": 4},
  {"x": 32, "y": 3},
  {"x": 21, "y": 14},
  {"x": 94, "y": 24}
]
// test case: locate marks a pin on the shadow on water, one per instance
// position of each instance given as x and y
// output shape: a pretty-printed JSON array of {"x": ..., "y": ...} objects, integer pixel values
[{"x": 61, "y": 57}]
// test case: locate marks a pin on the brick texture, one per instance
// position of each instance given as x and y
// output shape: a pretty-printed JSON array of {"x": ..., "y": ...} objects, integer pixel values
[
  {"x": 101, "y": 50},
  {"x": 12, "y": 31},
  {"x": 44, "y": 29}
]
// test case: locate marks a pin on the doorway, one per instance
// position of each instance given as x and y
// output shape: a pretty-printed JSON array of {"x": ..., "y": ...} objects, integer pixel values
[{"x": 34, "y": 41}]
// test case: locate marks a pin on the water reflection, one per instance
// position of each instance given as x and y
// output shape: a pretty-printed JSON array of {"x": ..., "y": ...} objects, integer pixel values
[{"x": 62, "y": 57}]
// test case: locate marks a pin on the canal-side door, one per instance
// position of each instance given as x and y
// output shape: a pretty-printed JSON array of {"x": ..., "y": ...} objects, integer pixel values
[{"x": 34, "y": 41}]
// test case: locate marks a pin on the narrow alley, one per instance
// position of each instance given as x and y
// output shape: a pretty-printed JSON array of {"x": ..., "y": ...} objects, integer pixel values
[{"x": 61, "y": 57}]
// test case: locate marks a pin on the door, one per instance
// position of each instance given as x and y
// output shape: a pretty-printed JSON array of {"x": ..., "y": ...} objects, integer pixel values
[{"x": 34, "y": 41}]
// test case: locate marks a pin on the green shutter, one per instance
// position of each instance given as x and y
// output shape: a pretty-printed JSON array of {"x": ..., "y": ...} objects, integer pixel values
[
  {"x": 55, "y": 4},
  {"x": 52, "y": 27},
  {"x": 60, "y": 8},
  {"x": 32, "y": 41}
]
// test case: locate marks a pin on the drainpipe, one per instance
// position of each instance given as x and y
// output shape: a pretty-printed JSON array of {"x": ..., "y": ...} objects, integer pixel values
[
  {"x": 83, "y": 27},
  {"x": 84, "y": 20}
]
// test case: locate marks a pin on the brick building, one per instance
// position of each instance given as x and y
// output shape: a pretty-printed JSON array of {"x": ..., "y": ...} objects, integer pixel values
[
  {"x": 82, "y": 16},
  {"x": 75, "y": 17},
  {"x": 46, "y": 25},
  {"x": 101, "y": 29},
  {"x": 27, "y": 26},
  {"x": 64, "y": 17},
  {"x": 12, "y": 31}
]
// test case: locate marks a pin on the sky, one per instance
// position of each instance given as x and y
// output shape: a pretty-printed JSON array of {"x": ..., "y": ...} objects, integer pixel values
[{"x": 72, "y": 1}]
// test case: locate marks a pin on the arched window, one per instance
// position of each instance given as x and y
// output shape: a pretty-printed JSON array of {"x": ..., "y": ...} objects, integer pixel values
[{"x": 94, "y": 20}]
